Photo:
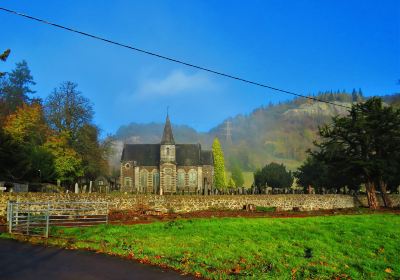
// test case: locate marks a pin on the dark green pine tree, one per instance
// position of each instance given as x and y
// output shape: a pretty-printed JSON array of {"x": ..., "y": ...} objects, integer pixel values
[
  {"x": 16, "y": 88},
  {"x": 365, "y": 144}
]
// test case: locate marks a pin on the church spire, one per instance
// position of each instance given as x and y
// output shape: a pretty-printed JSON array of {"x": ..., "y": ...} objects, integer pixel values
[{"x": 168, "y": 137}]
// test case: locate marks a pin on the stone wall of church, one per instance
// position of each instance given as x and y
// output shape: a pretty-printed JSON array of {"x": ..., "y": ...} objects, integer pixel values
[
  {"x": 140, "y": 179},
  {"x": 189, "y": 185},
  {"x": 146, "y": 183},
  {"x": 127, "y": 176},
  {"x": 168, "y": 178},
  {"x": 208, "y": 173}
]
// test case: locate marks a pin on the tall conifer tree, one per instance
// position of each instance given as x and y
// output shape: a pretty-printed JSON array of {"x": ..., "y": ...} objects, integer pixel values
[{"x": 219, "y": 165}]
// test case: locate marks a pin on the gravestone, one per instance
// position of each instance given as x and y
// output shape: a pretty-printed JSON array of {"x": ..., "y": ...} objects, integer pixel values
[{"x": 90, "y": 186}]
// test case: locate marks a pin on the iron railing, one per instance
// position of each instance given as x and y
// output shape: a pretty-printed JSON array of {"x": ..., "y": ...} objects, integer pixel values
[{"x": 36, "y": 218}]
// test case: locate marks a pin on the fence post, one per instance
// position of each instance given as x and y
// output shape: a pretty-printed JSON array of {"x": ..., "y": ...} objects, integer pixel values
[
  {"x": 16, "y": 213},
  {"x": 47, "y": 220},
  {"x": 8, "y": 212},
  {"x": 10, "y": 218},
  {"x": 29, "y": 219},
  {"x": 107, "y": 213}
]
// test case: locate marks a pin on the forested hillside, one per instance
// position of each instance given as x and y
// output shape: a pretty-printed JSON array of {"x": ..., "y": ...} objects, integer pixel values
[{"x": 277, "y": 132}]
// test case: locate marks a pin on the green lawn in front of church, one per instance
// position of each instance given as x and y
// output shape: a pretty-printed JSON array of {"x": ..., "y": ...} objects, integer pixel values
[{"x": 331, "y": 247}]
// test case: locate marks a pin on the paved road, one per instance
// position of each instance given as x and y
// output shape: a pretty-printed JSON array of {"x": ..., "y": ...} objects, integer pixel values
[{"x": 26, "y": 261}]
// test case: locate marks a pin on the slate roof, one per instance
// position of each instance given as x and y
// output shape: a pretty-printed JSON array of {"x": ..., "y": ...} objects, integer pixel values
[
  {"x": 143, "y": 154},
  {"x": 207, "y": 157},
  {"x": 149, "y": 154},
  {"x": 188, "y": 154}
]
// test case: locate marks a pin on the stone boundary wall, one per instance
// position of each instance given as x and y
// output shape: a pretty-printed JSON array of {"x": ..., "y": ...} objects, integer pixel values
[{"x": 186, "y": 203}]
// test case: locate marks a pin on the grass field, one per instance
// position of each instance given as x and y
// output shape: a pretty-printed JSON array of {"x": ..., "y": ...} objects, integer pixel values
[{"x": 335, "y": 247}]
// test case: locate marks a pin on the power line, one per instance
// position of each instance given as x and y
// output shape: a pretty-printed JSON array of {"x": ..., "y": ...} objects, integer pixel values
[{"x": 170, "y": 59}]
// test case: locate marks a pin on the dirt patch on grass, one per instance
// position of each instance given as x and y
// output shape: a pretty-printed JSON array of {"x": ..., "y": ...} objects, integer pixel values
[{"x": 146, "y": 216}]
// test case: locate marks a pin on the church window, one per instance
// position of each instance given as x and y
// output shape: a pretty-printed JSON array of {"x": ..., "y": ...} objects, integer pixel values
[
  {"x": 156, "y": 179},
  {"x": 181, "y": 178},
  {"x": 128, "y": 181},
  {"x": 192, "y": 177},
  {"x": 127, "y": 165},
  {"x": 167, "y": 151},
  {"x": 143, "y": 179}
]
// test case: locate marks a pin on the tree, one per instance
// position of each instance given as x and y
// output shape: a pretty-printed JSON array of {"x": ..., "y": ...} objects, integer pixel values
[
  {"x": 317, "y": 174},
  {"x": 3, "y": 57},
  {"x": 273, "y": 175},
  {"x": 16, "y": 88},
  {"x": 42, "y": 165},
  {"x": 231, "y": 183},
  {"x": 27, "y": 125},
  {"x": 312, "y": 173},
  {"x": 365, "y": 144},
  {"x": 67, "y": 162},
  {"x": 237, "y": 175},
  {"x": 14, "y": 164},
  {"x": 93, "y": 153},
  {"x": 219, "y": 165},
  {"x": 67, "y": 110}
]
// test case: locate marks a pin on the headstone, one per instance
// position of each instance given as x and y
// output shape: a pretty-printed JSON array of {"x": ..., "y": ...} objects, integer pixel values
[
  {"x": 84, "y": 189},
  {"x": 90, "y": 186},
  {"x": 76, "y": 188}
]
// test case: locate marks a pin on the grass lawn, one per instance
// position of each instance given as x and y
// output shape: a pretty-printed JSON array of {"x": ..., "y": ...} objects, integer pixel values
[{"x": 334, "y": 247}]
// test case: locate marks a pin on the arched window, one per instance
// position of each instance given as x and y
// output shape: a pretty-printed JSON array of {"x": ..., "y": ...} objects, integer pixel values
[
  {"x": 127, "y": 181},
  {"x": 167, "y": 151},
  {"x": 192, "y": 177},
  {"x": 156, "y": 181},
  {"x": 143, "y": 179},
  {"x": 181, "y": 179}
]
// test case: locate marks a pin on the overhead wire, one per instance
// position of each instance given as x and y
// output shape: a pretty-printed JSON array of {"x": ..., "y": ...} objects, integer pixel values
[{"x": 173, "y": 59}]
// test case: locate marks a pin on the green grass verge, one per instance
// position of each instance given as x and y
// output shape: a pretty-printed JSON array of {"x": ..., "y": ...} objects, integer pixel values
[{"x": 334, "y": 247}]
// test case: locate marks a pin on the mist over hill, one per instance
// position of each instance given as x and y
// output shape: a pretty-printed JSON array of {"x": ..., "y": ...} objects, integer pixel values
[{"x": 277, "y": 132}]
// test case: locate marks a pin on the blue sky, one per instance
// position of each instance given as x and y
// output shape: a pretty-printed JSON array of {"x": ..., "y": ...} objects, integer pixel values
[{"x": 301, "y": 46}]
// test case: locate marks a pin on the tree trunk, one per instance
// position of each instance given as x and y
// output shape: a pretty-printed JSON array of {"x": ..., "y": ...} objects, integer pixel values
[
  {"x": 371, "y": 195},
  {"x": 385, "y": 197}
]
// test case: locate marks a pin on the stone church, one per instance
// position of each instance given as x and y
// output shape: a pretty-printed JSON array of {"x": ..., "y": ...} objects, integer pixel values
[{"x": 166, "y": 168}]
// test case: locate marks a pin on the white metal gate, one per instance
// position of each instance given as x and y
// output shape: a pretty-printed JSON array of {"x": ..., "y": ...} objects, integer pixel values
[{"x": 35, "y": 218}]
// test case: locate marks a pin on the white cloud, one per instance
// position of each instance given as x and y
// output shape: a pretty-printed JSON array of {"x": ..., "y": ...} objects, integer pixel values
[{"x": 176, "y": 83}]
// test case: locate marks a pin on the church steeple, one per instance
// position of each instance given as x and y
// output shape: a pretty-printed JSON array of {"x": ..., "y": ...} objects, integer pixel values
[{"x": 168, "y": 137}]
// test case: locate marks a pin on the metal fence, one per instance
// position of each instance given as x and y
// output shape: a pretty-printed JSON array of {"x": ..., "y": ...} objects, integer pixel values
[{"x": 36, "y": 218}]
